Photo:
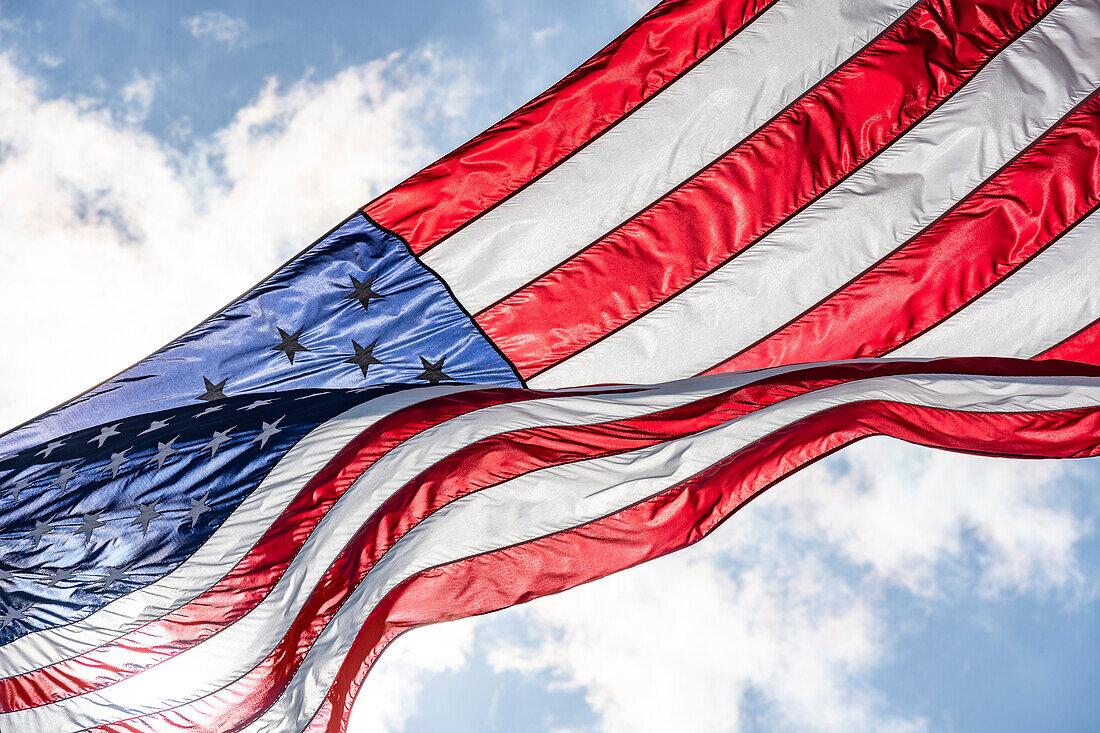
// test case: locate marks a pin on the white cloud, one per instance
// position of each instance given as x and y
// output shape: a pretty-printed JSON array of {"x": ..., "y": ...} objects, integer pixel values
[
  {"x": 680, "y": 645},
  {"x": 389, "y": 700},
  {"x": 636, "y": 8},
  {"x": 108, "y": 9},
  {"x": 48, "y": 60},
  {"x": 137, "y": 98},
  {"x": 904, "y": 512},
  {"x": 216, "y": 25},
  {"x": 10, "y": 29},
  {"x": 542, "y": 35},
  {"x": 114, "y": 242}
]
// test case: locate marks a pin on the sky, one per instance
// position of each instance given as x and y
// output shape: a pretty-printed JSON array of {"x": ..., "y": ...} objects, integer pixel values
[{"x": 156, "y": 159}]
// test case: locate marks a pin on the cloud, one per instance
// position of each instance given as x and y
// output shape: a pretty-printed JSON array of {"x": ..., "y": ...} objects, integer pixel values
[
  {"x": 636, "y": 8},
  {"x": 48, "y": 60},
  {"x": 10, "y": 27},
  {"x": 680, "y": 644},
  {"x": 390, "y": 699},
  {"x": 137, "y": 98},
  {"x": 903, "y": 513},
  {"x": 108, "y": 10},
  {"x": 542, "y": 35},
  {"x": 216, "y": 25},
  {"x": 114, "y": 241}
]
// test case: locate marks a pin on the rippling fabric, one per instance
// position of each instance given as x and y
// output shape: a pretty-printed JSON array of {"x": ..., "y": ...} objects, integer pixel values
[
  {"x": 862, "y": 107},
  {"x": 420, "y": 505}
]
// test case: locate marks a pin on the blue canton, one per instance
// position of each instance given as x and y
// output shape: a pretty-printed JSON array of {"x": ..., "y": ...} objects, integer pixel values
[{"x": 98, "y": 513}]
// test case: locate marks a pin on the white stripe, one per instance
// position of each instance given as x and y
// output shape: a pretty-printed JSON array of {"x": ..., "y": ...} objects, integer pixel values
[
  {"x": 220, "y": 553},
  {"x": 234, "y": 650},
  {"x": 561, "y": 497},
  {"x": 1044, "y": 302},
  {"x": 692, "y": 122},
  {"x": 1022, "y": 92}
]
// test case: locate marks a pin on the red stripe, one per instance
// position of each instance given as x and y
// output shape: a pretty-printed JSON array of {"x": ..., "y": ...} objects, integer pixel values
[
  {"x": 487, "y": 463},
  {"x": 1083, "y": 346},
  {"x": 252, "y": 578},
  {"x": 839, "y": 125},
  {"x": 680, "y": 517},
  {"x": 991, "y": 233},
  {"x": 634, "y": 67},
  {"x": 476, "y": 466}
]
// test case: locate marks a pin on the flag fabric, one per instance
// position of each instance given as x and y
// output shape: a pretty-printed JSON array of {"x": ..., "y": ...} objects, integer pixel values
[{"x": 762, "y": 229}]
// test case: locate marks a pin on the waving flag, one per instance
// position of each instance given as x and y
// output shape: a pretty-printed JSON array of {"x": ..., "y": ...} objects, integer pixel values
[{"x": 716, "y": 220}]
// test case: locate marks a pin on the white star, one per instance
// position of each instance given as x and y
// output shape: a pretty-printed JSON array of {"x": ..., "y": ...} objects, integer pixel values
[
  {"x": 89, "y": 522},
  {"x": 155, "y": 425},
  {"x": 198, "y": 508},
  {"x": 164, "y": 450},
  {"x": 217, "y": 440},
  {"x": 257, "y": 403},
  {"x": 146, "y": 513},
  {"x": 40, "y": 528},
  {"x": 208, "y": 410},
  {"x": 112, "y": 575},
  {"x": 60, "y": 574},
  {"x": 67, "y": 474},
  {"x": 105, "y": 433},
  {"x": 18, "y": 488},
  {"x": 117, "y": 459},
  {"x": 11, "y": 613},
  {"x": 269, "y": 429},
  {"x": 45, "y": 452}
]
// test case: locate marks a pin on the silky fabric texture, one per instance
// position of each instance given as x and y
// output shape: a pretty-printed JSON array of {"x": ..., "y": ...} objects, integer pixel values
[
  {"x": 862, "y": 107},
  {"x": 521, "y": 508}
]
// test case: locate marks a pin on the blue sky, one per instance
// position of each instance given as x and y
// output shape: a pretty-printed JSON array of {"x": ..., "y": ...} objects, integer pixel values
[
  {"x": 211, "y": 60},
  {"x": 156, "y": 159}
]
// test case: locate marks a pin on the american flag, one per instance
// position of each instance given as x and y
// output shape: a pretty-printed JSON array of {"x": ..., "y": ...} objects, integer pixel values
[{"x": 762, "y": 230}]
